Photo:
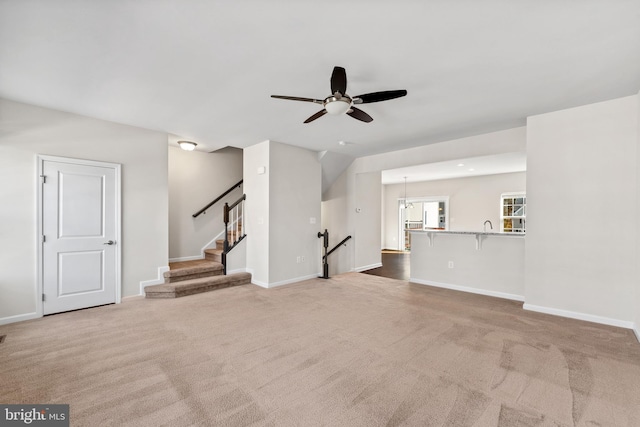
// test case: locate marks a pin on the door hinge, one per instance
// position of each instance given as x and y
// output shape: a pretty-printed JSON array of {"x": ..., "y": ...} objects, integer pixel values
[
  {"x": 44, "y": 238},
  {"x": 43, "y": 297},
  {"x": 44, "y": 178}
]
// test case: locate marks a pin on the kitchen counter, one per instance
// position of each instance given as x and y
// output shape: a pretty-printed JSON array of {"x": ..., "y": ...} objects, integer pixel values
[
  {"x": 484, "y": 233},
  {"x": 493, "y": 266},
  {"x": 479, "y": 235}
]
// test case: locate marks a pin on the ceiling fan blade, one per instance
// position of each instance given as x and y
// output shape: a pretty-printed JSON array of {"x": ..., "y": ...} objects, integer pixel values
[
  {"x": 316, "y": 115},
  {"x": 386, "y": 95},
  {"x": 360, "y": 115},
  {"x": 296, "y": 98},
  {"x": 339, "y": 80}
]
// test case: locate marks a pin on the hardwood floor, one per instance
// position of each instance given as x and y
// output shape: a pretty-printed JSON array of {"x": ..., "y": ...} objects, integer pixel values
[{"x": 395, "y": 265}]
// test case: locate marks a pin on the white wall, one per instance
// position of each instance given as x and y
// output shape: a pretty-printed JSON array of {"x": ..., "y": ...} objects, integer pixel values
[
  {"x": 256, "y": 187},
  {"x": 28, "y": 131},
  {"x": 195, "y": 179},
  {"x": 337, "y": 222},
  {"x": 339, "y": 202},
  {"x": 471, "y": 201},
  {"x": 582, "y": 211},
  {"x": 295, "y": 195},
  {"x": 637, "y": 310},
  {"x": 279, "y": 208},
  {"x": 368, "y": 220}
]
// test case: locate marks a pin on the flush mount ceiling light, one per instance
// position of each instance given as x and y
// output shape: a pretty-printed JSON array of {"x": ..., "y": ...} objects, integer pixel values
[{"x": 187, "y": 145}]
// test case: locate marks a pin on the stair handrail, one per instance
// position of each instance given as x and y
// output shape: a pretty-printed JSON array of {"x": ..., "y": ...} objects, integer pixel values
[
  {"x": 325, "y": 263},
  {"x": 230, "y": 209},
  {"x": 337, "y": 246},
  {"x": 217, "y": 199}
]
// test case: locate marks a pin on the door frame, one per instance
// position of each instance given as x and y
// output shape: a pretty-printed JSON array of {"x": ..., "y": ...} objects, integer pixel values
[
  {"x": 422, "y": 199},
  {"x": 41, "y": 158}
]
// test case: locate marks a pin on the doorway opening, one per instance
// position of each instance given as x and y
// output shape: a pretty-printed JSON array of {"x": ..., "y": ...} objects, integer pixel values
[{"x": 421, "y": 213}]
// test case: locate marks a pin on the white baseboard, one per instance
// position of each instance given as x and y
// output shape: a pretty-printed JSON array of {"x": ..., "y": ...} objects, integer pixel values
[
  {"x": 259, "y": 283},
  {"x": 581, "y": 316},
  {"x": 158, "y": 281},
  {"x": 186, "y": 258},
  {"x": 636, "y": 330},
  {"x": 367, "y": 267},
  {"x": 284, "y": 282},
  {"x": 237, "y": 270},
  {"x": 479, "y": 291},
  {"x": 19, "y": 318}
]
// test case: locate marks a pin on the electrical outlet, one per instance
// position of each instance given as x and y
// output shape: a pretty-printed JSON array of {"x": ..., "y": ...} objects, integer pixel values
[
  {"x": 450, "y": 264},
  {"x": 302, "y": 258},
  {"x": 298, "y": 260}
]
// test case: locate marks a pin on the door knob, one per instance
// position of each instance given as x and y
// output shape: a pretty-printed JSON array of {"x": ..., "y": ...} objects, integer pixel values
[{"x": 110, "y": 242}]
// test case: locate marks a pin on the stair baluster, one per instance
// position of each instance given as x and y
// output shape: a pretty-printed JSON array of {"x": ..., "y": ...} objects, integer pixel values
[{"x": 232, "y": 214}]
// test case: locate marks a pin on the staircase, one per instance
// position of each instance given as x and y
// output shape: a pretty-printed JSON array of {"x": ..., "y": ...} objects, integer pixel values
[
  {"x": 215, "y": 254},
  {"x": 208, "y": 274},
  {"x": 194, "y": 277}
]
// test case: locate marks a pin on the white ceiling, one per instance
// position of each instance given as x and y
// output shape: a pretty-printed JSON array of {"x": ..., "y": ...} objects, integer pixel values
[
  {"x": 461, "y": 168},
  {"x": 205, "y": 70}
]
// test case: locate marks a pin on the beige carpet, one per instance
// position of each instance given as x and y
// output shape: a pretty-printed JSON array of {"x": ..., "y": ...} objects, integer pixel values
[{"x": 355, "y": 350}]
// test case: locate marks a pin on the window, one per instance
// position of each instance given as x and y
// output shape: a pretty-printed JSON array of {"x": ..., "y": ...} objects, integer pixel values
[{"x": 513, "y": 212}]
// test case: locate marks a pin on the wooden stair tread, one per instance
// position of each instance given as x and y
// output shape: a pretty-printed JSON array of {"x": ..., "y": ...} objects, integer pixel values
[
  {"x": 187, "y": 270},
  {"x": 196, "y": 286},
  {"x": 188, "y": 264},
  {"x": 213, "y": 254}
]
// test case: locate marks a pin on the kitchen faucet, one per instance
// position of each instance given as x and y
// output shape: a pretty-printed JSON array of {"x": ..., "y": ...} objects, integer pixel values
[{"x": 485, "y": 225}]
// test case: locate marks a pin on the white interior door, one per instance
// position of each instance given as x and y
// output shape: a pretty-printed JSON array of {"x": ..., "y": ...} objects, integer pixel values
[{"x": 80, "y": 227}]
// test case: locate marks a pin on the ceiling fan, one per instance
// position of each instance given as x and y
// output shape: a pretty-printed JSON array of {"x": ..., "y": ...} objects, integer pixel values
[{"x": 339, "y": 102}]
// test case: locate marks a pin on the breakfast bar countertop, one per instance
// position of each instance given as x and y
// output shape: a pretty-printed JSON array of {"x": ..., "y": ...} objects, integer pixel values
[{"x": 484, "y": 233}]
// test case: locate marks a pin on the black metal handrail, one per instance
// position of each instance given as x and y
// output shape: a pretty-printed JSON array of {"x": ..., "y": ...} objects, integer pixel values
[
  {"x": 228, "y": 207},
  {"x": 237, "y": 234},
  {"x": 325, "y": 263},
  {"x": 217, "y": 199},
  {"x": 337, "y": 246}
]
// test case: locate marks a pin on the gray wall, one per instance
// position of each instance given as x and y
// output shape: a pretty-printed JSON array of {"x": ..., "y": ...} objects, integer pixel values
[
  {"x": 281, "y": 204},
  {"x": 471, "y": 201},
  {"x": 195, "y": 179},
  {"x": 582, "y": 215},
  {"x": 28, "y": 131}
]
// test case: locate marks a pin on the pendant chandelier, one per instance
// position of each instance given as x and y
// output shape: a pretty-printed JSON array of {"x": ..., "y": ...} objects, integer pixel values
[{"x": 406, "y": 205}]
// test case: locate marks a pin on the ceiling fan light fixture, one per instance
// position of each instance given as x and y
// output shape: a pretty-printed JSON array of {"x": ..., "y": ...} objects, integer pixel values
[
  {"x": 341, "y": 103},
  {"x": 338, "y": 106},
  {"x": 187, "y": 145}
]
